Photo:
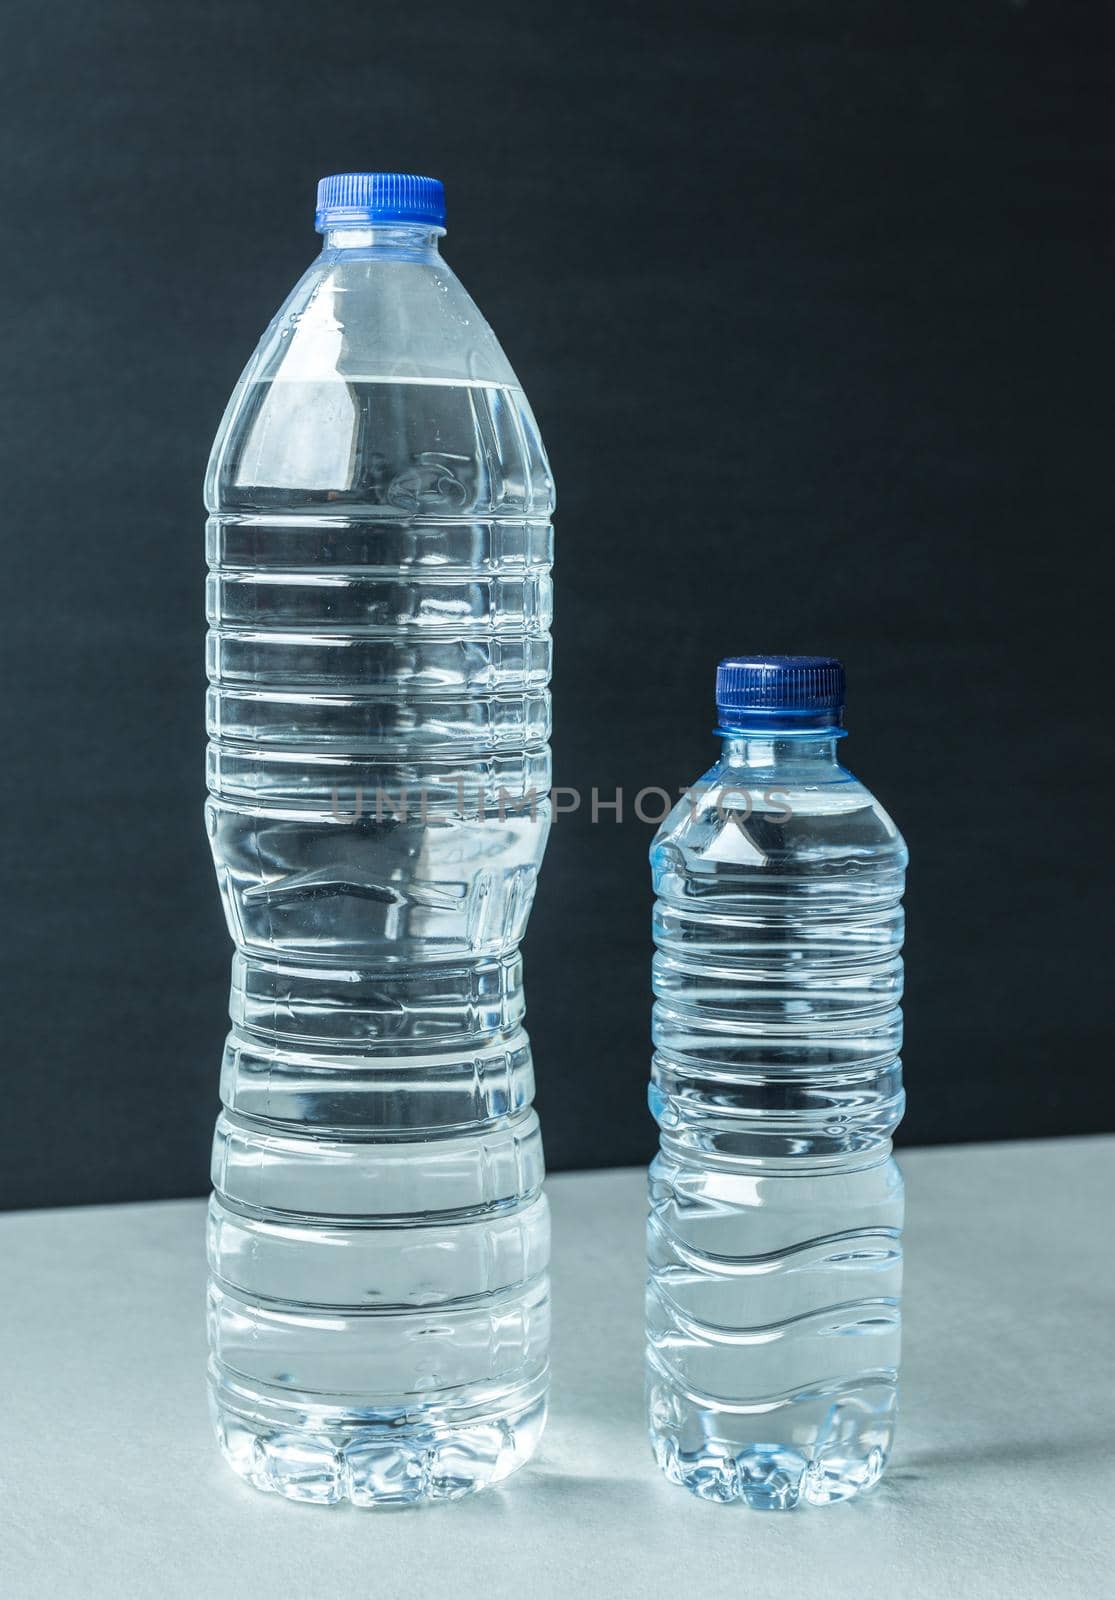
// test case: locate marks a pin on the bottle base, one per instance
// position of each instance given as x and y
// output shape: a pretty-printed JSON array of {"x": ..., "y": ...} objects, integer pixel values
[
  {"x": 327, "y": 1456},
  {"x": 816, "y": 1447}
]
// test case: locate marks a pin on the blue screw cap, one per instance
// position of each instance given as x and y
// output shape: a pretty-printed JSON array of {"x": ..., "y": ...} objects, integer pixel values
[
  {"x": 383, "y": 197},
  {"x": 779, "y": 693}
]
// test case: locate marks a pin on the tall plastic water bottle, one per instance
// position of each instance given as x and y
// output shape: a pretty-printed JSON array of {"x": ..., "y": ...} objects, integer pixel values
[
  {"x": 776, "y": 1206},
  {"x": 379, "y": 598}
]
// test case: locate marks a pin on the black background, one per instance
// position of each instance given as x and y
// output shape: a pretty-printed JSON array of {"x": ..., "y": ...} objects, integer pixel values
[{"x": 813, "y": 302}]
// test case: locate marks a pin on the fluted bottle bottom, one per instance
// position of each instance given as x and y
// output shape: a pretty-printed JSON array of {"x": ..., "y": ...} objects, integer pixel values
[
  {"x": 805, "y": 1449},
  {"x": 329, "y": 1454}
]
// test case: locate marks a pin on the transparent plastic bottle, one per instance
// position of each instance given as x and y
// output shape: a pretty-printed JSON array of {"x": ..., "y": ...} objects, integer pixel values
[
  {"x": 379, "y": 546},
  {"x": 776, "y": 1206}
]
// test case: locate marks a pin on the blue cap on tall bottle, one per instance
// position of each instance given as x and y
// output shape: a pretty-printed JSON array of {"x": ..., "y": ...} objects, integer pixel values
[
  {"x": 779, "y": 693},
  {"x": 383, "y": 197}
]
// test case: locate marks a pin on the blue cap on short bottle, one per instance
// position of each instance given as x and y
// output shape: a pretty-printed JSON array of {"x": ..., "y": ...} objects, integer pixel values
[
  {"x": 383, "y": 197},
  {"x": 779, "y": 693}
]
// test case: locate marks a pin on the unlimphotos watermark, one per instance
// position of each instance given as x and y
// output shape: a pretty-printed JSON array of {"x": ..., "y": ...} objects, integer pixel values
[{"x": 650, "y": 805}]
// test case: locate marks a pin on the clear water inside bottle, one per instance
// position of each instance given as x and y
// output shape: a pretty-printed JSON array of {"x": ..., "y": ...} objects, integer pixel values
[
  {"x": 774, "y": 1238},
  {"x": 379, "y": 606}
]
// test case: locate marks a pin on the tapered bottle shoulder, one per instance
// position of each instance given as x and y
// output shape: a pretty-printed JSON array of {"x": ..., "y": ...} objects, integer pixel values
[{"x": 735, "y": 820}]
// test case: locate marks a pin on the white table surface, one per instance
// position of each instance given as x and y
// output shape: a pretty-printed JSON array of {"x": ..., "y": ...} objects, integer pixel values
[{"x": 1002, "y": 1484}]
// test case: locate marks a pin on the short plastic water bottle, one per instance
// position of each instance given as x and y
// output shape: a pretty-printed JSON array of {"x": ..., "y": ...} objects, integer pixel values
[
  {"x": 776, "y": 1205},
  {"x": 379, "y": 598}
]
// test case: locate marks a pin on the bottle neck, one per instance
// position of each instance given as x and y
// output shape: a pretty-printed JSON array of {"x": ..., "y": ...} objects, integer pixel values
[
  {"x": 404, "y": 241},
  {"x": 815, "y": 748}
]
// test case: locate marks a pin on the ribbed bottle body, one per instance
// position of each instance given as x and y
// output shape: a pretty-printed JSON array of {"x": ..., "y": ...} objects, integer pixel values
[
  {"x": 776, "y": 1207},
  {"x": 379, "y": 548}
]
